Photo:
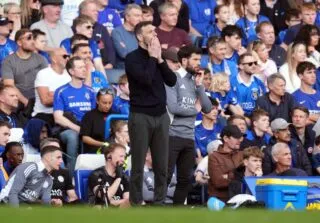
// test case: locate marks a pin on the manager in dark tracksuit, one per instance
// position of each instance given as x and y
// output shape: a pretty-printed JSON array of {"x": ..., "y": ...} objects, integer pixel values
[{"x": 148, "y": 119}]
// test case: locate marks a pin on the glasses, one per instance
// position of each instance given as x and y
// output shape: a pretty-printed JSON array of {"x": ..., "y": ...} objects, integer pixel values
[
  {"x": 251, "y": 63},
  {"x": 89, "y": 27},
  {"x": 14, "y": 13},
  {"x": 104, "y": 91},
  {"x": 65, "y": 56}
]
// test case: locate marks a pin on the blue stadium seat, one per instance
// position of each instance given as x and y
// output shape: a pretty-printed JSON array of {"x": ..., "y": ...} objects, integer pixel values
[
  {"x": 81, "y": 183},
  {"x": 108, "y": 123}
]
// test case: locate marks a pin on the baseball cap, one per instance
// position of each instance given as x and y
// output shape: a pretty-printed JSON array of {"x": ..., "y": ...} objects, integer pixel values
[
  {"x": 231, "y": 130},
  {"x": 279, "y": 124},
  {"x": 4, "y": 21},
  {"x": 171, "y": 54},
  {"x": 51, "y": 2}
]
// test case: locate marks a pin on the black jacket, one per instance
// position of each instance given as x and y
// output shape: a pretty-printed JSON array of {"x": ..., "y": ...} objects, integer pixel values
[
  {"x": 299, "y": 158},
  {"x": 235, "y": 186}
]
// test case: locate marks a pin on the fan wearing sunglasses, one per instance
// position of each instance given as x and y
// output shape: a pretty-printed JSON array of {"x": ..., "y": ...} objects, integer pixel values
[
  {"x": 20, "y": 69},
  {"x": 84, "y": 25},
  {"x": 245, "y": 85}
]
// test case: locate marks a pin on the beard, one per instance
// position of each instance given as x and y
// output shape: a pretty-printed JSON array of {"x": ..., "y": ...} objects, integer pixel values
[{"x": 192, "y": 70}]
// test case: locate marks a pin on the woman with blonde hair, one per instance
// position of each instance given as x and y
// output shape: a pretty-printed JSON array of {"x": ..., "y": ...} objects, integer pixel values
[
  {"x": 220, "y": 89},
  {"x": 30, "y": 12},
  {"x": 297, "y": 52},
  {"x": 12, "y": 11}
]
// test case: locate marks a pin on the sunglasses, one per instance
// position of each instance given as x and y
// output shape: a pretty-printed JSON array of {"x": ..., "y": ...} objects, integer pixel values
[
  {"x": 104, "y": 91},
  {"x": 89, "y": 27},
  {"x": 251, "y": 63},
  {"x": 65, "y": 56},
  {"x": 28, "y": 37}
]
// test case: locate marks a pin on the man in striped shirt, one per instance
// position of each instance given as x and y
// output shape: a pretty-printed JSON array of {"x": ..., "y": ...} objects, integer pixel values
[{"x": 30, "y": 182}]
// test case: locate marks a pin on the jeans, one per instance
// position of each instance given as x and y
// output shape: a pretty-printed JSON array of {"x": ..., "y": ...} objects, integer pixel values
[{"x": 70, "y": 139}]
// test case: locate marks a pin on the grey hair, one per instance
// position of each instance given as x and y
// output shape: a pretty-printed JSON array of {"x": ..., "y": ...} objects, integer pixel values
[
  {"x": 277, "y": 147},
  {"x": 129, "y": 7},
  {"x": 271, "y": 79},
  {"x": 84, "y": 5},
  {"x": 165, "y": 6}
]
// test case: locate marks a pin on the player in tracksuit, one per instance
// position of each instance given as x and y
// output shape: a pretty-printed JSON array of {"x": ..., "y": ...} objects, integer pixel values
[{"x": 31, "y": 182}]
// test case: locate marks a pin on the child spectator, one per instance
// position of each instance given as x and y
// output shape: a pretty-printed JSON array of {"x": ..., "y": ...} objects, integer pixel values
[
  {"x": 292, "y": 18},
  {"x": 147, "y": 13}
]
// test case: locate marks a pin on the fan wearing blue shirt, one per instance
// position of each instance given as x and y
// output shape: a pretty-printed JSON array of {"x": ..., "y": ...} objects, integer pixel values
[
  {"x": 250, "y": 20},
  {"x": 207, "y": 131},
  {"x": 7, "y": 46},
  {"x": 232, "y": 35},
  {"x": 246, "y": 86},
  {"x": 222, "y": 14},
  {"x": 84, "y": 25},
  {"x": 108, "y": 17},
  {"x": 97, "y": 80},
  {"x": 216, "y": 61},
  {"x": 71, "y": 102},
  {"x": 306, "y": 95},
  {"x": 120, "y": 103},
  {"x": 201, "y": 15},
  {"x": 292, "y": 18}
]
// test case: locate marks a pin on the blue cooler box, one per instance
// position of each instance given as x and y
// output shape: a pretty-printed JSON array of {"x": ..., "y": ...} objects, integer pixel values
[{"x": 282, "y": 194}]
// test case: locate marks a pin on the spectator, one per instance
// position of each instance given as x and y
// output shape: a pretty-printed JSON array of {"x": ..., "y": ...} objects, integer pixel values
[
  {"x": 183, "y": 13},
  {"x": 260, "y": 128},
  {"x": 309, "y": 35},
  {"x": 92, "y": 129},
  {"x": 239, "y": 121},
  {"x": 276, "y": 12},
  {"x": 40, "y": 43},
  {"x": 297, "y": 53},
  {"x": 55, "y": 30},
  {"x": 30, "y": 12},
  {"x": 171, "y": 57},
  {"x": 207, "y": 79},
  {"x": 47, "y": 81},
  {"x": 8, "y": 105},
  {"x": 224, "y": 161},
  {"x": 12, "y": 157},
  {"x": 13, "y": 12},
  {"x": 147, "y": 13},
  {"x": 71, "y": 101},
  {"x": 232, "y": 35},
  {"x": 108, "y": 17},
  {"x": 277, "y": 102},
  {"x": 119, "y": 134},
  {"x": 7, "y": 46},
  {"x": 147, "y": 73},
  {"x": 123, "y": 37},
  {"x": 148, "y": 182},
  {"x": 250, "y": 20},
  {"x": 35, "y": 131},
  {"x": 220, "y": 89},
  {"x": 35, "y": 183},
  {"x": 301, "y": 130},
  {"x": 4, "y": 135},
  {"x": 207, "y": 131},
  {"x": 181, "y": 103},
  {"x": 282, "y": 156},
  {"x": 222, "y": 16},
  {"x": 121, "y": 102},
  {"x": 252, "y": 166},
  {"x": 307, "y": 96},
  {"x": 281, "y": 134},
  {"x": 201, "y": 15},
  {"x": 216, "y": 61},
  {"x": 266, "y": 66},
  {"x": 265, "y": 32},
  {"x": 14, "y": 68},
  {"x": 308, "y": 15},
  {"x": 110, "y": 176},
  {"x": 235, "y": 8},
  {"x": 245, "y": 85},
  {"x": 102, "y": 37},
  {"x": 95, "y": 78},
  {"x": 316, "y": 155},
  {"x": 292, "y": 18},
  {"x": 201, "y": 173},
  {"x": 168, "y": 34},
  {"x": 84, "y": 25}
]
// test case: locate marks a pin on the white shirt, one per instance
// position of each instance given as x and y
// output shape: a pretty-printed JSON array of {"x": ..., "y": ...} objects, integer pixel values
[
  {"x": 47, "y": 77},
  {"x": 291, "y": 86}
]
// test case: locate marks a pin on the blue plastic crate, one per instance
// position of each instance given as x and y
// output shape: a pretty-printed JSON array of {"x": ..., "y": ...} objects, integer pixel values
[{"x": 282, "y": 194}]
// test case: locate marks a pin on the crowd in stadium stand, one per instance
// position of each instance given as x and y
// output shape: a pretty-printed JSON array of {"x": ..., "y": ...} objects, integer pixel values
[{"x": 209, "y": 92}]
